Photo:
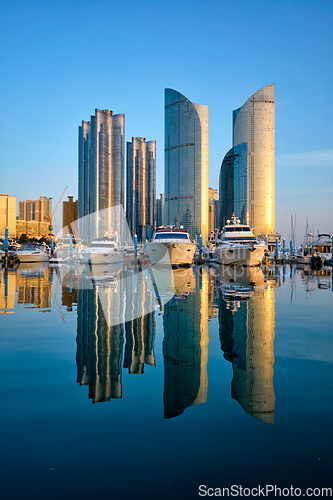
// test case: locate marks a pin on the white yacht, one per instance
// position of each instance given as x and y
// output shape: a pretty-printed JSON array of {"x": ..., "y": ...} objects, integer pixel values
[
  {"x": 32, "y": 252},
  {"x": 323, "y": 246},
  {"x": 237, "y": 245},
  {"x": 103, "y": 251},
  {"x": 65, "y": 251},
  {"x": 171, "y": 245}
]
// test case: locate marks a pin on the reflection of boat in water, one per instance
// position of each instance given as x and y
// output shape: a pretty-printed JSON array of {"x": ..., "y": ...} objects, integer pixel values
[
  {"x": 171, "y": 245},
  {"x": 129, "y": 254},
  {"x": 237, "y": 245},
  {"x": 240, "y": 275},
  {"x": 184, "y": 280},
  {"x": 32, "y": 268},
  {"x": 104, "y": 273},
  {"x": 236, "y": 292},
  {"x": 32, "y": 252}
]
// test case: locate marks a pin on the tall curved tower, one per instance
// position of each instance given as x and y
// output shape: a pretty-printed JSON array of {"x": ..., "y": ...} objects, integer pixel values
[
  {"x": 186, "y": 164},
  {"x": 254, "y": 124}
]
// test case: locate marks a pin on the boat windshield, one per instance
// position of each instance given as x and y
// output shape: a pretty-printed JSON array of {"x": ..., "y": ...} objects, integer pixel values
[
  {"x": 31, "y": 246},
  {"x": 102, "y": 245},
  {"x": 240, "y": 238},
  {"x": 229, "y": 229},
  {"x": 171, "y": 236}
]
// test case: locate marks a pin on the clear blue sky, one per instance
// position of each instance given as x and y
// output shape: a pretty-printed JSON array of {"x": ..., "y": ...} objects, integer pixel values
[{"x": 59, "y": 61}]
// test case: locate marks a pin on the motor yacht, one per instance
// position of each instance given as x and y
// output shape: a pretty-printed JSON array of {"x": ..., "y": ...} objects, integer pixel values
[
  {"x": 32, "y": 252},
  {"x": 103, "y": 250},
  {"x": 67, "y": 250},
  {"x": 171, "y": 245},
  {"x": 237, "y": 245}
]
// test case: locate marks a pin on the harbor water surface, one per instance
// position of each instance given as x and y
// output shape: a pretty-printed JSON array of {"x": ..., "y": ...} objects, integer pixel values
[{"x": 225, "y": 379}]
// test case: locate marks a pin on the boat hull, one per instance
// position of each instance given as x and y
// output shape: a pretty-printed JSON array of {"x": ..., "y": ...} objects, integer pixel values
[
  {"x": 240, "y": 255},
  {"x": 32, "y": 257},
  {"x": 102, "y": 258},
  {"x": 178, "y": 254}
]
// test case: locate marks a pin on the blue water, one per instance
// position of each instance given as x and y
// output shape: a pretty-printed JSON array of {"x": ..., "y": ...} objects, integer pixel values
[{"x": 218, "y": 386}]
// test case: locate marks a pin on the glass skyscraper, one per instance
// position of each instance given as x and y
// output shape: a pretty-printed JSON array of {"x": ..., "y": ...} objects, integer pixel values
[
  {"x": 247, "y": 178},
  {"x": 234, "y": 185},
  {"x": 186, "y": 164},
  {"x": 141, "y": 187},
  {"x": 101, "y": 167}
]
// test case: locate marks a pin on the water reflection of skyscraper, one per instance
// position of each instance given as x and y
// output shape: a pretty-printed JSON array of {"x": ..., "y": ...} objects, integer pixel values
[
  {"x": 99, "y": 346},
  {"x": 140, "y": 332},
  {"x": 100, "y": 343},
  {"x": 247, "y": 341},
  {"x": 185, "y": 344}
]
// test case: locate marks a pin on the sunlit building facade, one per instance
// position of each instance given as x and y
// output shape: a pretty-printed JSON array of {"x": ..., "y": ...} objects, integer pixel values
[
  {"x": 7, "y": 215},
  {"x": 186, "y": 164},
  {"x": 247, "y": 178},
  {"x": 141, "y": 187},
  {"x": 69, "y": 213},
  {"x": 35, "y": 210},
  {"x": 101, "y": 168},
  {"x": 212, "y": 198}
]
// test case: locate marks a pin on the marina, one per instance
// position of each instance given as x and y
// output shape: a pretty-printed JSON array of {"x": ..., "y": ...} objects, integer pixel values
[{"x": 99, "y": 359}]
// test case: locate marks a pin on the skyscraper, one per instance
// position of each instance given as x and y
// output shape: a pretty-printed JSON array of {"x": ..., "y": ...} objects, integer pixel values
[
  {"x": 160, "y": 210},
  {"x": 186, "y": 164},
  {"x": 212, "y": 198},
  {"x": 247, "y": 178},
  {"x": 101, "y": 168},
  {"x": 141, "y": 187},
  {"x": 7, "y": 215},
  {"x": 69, "y": 213}
]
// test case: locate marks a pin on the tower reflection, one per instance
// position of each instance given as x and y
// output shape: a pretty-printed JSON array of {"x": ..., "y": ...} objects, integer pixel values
[
  {"x": 99, "y": 346},
  {"x": 110, "y": 297},
  {"x": 185, "y": 343},
  {"x": 247, "y": 329},
  {"x": 140, "y": 332}
]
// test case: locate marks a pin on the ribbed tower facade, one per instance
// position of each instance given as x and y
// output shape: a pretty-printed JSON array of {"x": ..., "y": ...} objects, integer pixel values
[
  {"x": 101, "y": 168},
  {"x": 141, "y": 187},
  {"x": 250, "y": 193},
  {"x": 186, "y": 164}
]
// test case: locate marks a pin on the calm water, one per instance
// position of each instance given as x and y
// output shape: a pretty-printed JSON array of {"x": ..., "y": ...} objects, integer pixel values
[{"x": 110, "y": 392}]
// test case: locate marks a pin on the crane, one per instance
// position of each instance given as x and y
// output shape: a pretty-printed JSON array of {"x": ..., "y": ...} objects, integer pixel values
[{"x": 50, "y": 217}]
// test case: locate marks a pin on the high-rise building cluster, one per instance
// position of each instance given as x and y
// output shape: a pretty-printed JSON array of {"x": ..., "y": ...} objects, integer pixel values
[
  {"x": 246, "y": 181},
  {"x": 35, "y": 210},
  {"x": 247, "y": 176},
  {"x": 34, "y": 217}
]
